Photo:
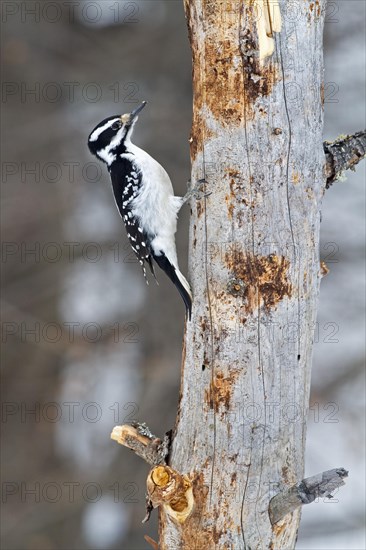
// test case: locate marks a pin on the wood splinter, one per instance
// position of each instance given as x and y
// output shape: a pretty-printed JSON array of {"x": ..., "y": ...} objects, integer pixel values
[
  {"x": 268, "y": 17},
  {"x": 305, "y": 492}
]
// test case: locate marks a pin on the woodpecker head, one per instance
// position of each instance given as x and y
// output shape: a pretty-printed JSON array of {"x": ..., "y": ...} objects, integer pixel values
[{"x": 112, "y": 135}]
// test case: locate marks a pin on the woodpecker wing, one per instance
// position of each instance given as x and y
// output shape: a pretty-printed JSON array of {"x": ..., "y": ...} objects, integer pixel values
[{"x": 126, "y": 182}]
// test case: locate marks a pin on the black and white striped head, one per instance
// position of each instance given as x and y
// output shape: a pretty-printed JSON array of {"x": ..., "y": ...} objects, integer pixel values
[{"x": 110, "y": 137}]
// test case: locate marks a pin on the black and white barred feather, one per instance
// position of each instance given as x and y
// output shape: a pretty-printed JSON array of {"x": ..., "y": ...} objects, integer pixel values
[
  {"x": 126, "y": 182},
  {"x": 144, "y": 196}
]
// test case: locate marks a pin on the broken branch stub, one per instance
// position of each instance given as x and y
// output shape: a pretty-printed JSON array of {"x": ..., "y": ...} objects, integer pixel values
[
  {"x": 343, "y": 154},
  {"x": 165, "y": 487},
  {"x": 168, "y": 488},
  {"x": 139, "y": 438},
  {"x": 305, "y": 492}
]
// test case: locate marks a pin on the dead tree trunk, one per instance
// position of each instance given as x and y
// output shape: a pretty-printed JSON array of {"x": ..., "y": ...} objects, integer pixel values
[
  {"x": 254, "y": 268},
  {"x": 233, "y": 476}
]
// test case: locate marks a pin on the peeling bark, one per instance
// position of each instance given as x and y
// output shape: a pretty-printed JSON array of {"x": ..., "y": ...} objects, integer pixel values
[{"x": 255, "y": 272}]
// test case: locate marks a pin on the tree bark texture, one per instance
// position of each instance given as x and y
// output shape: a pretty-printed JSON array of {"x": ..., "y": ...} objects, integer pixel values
[{"x": 255, "y": 272}]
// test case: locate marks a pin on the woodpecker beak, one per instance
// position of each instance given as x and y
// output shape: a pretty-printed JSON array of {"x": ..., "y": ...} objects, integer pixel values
[
  {"x": 129, "y": 118},
  {"x": 138, "y": 110}
]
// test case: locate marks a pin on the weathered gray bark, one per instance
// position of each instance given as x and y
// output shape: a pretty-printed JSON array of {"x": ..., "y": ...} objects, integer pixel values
[{"x": 255, "y": 272}]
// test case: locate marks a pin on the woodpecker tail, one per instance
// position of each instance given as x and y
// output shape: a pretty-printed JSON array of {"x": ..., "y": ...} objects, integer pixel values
[{"x": 178, "y": 280}]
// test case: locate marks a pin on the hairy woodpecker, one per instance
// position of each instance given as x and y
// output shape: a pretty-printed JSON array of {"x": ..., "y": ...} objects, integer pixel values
[{"x": 144, "y": 196}]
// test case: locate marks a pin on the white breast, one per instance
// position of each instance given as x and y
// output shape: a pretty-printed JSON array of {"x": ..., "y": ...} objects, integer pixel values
[{"x": 155, "y": 206}]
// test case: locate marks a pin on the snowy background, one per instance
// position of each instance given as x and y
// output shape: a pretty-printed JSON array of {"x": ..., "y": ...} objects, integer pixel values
[{"x": 85, "y": 344}]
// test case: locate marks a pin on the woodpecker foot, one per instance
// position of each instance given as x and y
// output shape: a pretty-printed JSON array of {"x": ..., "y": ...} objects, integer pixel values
[{"x": 196, "y": 191}]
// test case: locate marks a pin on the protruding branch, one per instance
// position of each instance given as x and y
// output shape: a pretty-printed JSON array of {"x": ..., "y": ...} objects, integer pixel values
[
  {"x": 305, "y": 492},
  {"x": 146, "y": 445},
  {"x": 343, "y": 154}
]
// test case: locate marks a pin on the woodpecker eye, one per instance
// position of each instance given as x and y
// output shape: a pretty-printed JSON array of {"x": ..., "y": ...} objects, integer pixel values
[{"x": 116, "y": 125}]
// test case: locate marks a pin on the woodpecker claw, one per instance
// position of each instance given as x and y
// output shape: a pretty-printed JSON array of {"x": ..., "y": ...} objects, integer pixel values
[{"x": 196, "y": 191}]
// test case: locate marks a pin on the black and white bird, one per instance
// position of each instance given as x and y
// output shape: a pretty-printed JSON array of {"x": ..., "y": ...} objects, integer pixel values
[{"x": 144, "y": 196}]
